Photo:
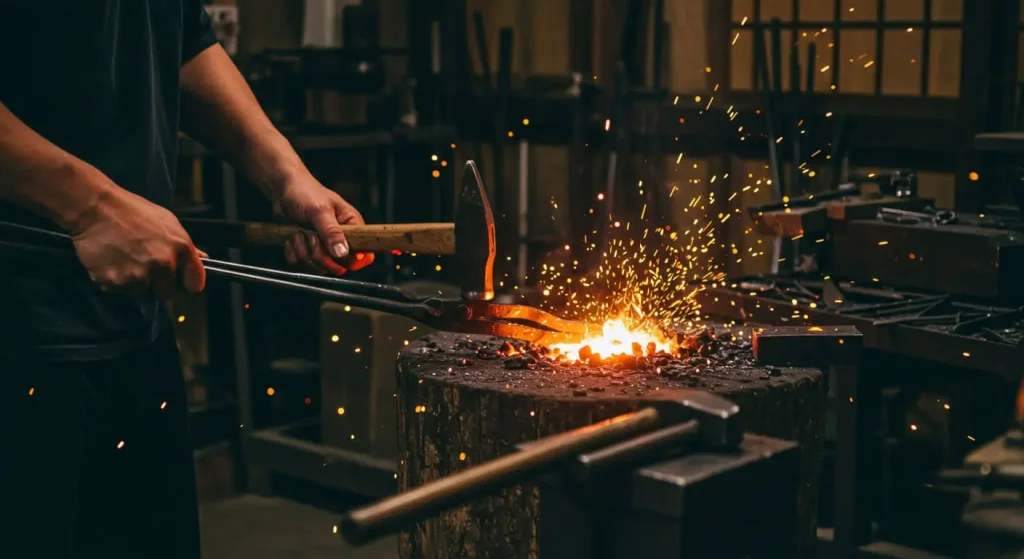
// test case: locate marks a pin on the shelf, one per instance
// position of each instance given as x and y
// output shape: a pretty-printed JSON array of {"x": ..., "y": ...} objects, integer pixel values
[
  {"x": 293, "y": 450},
  {"x": 1001, "y": 142}
]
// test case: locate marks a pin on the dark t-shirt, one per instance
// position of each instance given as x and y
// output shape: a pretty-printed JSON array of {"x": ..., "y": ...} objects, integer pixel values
[{"x": 99, "y": 78}]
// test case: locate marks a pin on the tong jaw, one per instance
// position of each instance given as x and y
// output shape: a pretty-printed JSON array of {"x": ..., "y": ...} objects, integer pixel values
[{"x": 518, "y": 322}]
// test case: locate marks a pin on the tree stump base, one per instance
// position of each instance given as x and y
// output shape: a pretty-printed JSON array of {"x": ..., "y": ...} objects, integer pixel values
[{"x": 459, "y": 405}]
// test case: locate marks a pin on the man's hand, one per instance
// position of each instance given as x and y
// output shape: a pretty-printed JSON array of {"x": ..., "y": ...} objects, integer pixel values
[
  {"x": 307, "y": 202},
  {"x": 129, "y": 244},
  {"x": 220, "y": 111}
]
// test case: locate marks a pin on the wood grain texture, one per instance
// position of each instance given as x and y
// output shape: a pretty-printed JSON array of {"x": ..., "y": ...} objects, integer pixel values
[
  {"x": 420, "y": 238},
  {"x": 456, "y": 410}
]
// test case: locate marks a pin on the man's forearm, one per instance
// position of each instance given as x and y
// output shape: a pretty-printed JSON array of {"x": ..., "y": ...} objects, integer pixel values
[
  {"x": 219, "y": 109},
  {"x": 44, "y": 179}
]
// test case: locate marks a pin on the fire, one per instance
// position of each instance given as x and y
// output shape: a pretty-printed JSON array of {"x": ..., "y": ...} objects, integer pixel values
[{"x": 618, "y": 338}]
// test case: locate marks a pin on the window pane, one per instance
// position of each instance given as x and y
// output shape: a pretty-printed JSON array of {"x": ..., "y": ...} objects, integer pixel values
[
  {"x": 818, "y": 10},
  {"x": 948, "y": 10},
  {"x": 857, "y": 61},
  {"x": 860, "y": 10},
  {"x": 741, "y": 61},
  {"x": 782, "y": 9},
  {"x": 901, "y": 68},
  {"x": 944, "y": 63},
  {"x": 905, "y": 10},
  {"x": 742, "y": 9}
]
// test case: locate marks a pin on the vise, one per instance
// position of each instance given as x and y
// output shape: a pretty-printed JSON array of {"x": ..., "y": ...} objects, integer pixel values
[
  {"x": 701, "y": 503},
  {"x": 678, "y": 478}
]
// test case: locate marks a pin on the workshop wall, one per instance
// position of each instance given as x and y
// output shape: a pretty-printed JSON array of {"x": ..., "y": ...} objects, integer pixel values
[
  {"x": 856, "y": 30},
  {"x": 542, "y": 37},
  {"x": 902, "y": 56},
  {"x": 541, "y": 47}
]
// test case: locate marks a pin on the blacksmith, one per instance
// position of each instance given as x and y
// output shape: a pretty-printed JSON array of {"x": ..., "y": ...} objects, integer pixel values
[{"x": 95, "y": 456}]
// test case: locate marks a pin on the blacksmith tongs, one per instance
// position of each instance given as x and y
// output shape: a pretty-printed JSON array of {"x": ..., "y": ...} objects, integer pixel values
[{"x": 518, "y": 322}]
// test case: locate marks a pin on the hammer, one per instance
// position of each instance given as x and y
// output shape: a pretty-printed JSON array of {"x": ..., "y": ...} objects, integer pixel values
[{"x": 471, "y": 238}]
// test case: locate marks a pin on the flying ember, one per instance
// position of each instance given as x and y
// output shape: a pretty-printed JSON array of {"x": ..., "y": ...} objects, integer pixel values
[{"x": 642, "y": 281}]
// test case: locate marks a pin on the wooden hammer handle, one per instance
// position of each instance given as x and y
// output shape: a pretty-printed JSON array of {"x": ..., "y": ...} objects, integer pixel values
[{"x": 421, "y": 238}]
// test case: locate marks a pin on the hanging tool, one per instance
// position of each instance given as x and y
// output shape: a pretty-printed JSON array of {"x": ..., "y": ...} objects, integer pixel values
[{"x": 771, "y": 111}]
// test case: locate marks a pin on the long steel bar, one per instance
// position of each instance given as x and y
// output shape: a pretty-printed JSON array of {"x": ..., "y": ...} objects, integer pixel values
[{"x": 383, "y": 517}]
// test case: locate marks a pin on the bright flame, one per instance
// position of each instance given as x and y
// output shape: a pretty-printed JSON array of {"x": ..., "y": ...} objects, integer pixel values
[{"x": 617, "y": 338}]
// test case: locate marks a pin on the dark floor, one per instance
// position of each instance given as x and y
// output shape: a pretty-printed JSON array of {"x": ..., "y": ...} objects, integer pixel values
[{"x": 254, "y": 527}]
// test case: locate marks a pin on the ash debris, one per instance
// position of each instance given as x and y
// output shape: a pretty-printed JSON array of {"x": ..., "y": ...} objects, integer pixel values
[
  {"x": 701, "y": 351},
  {"x": 719, "y": 361}
]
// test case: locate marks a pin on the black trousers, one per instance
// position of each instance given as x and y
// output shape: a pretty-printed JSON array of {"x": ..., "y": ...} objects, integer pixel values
[{"x": 96, "y": 459}]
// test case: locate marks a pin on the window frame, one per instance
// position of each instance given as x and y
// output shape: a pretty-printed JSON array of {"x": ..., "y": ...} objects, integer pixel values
[{"x": 836, "y": 25}]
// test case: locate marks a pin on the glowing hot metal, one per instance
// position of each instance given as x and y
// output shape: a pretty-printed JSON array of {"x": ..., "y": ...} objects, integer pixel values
[{"x": 618, "y": 338}]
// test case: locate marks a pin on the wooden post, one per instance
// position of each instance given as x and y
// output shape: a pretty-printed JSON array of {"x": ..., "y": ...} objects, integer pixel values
[{"x": 457, "y": 409}]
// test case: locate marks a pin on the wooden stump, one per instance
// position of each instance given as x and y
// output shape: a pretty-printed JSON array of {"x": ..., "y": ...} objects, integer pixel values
[{"x": 457, "y": 409}]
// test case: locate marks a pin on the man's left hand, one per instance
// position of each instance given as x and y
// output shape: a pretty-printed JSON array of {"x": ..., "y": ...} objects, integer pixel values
[{"x": 309, "y": 203}]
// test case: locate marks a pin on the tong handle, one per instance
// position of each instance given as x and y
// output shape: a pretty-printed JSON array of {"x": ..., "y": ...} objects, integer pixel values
[
  {"x": 420, "y": 238},
  {"x": 356, "y": 287},
  {"x": 419, "y": 311},
  {"x": 371, "y": 296}
]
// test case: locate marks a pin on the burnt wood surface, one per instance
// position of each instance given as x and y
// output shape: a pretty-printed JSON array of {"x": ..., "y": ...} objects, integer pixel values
[{"x": 457, "y": 409}]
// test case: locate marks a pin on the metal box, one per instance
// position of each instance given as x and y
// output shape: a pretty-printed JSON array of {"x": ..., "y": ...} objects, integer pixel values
[{"x": 700, "y": 504}]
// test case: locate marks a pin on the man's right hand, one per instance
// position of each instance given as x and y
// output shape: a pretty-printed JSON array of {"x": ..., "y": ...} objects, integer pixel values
[{"x": 129, "y": 244}]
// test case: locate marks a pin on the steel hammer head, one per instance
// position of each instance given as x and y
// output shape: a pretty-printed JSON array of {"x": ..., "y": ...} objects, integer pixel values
[
  {"x": 474, "y": 238},
  {"x": 686, "y": 416},
  {"x": 720, "y": 424}
]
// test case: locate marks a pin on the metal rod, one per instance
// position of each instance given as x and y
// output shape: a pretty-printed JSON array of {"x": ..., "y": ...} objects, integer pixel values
[
  {"x": 503, "y": 86},
  {"x": 37, "y": 232},
  {"x": 796, "y": 115},
  {"x": 248, "y": 478},
  {"x": 810, "y": 118},
  {"x": 629, "y": 49},
  {"x": 481, "y": 47},
  {"x": 770, "y": 109},
  {"x": 839, "y": 154},
  {"x": 616, "y": 129},
  {"x": 906, "y": 304},
  {"x": 634, "y": 451},
  {"x": 354, "y": 287},
  {"x": 391, "y": 514},
  {"x": 415, "y": 311},
  {"x": 776, "y": 68},
  {"x": 658, "y": 69},
  {"x": 879, "y": 45},
  {"x": 926, "y": 46},
  {"x": 523, "y": 210}
]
